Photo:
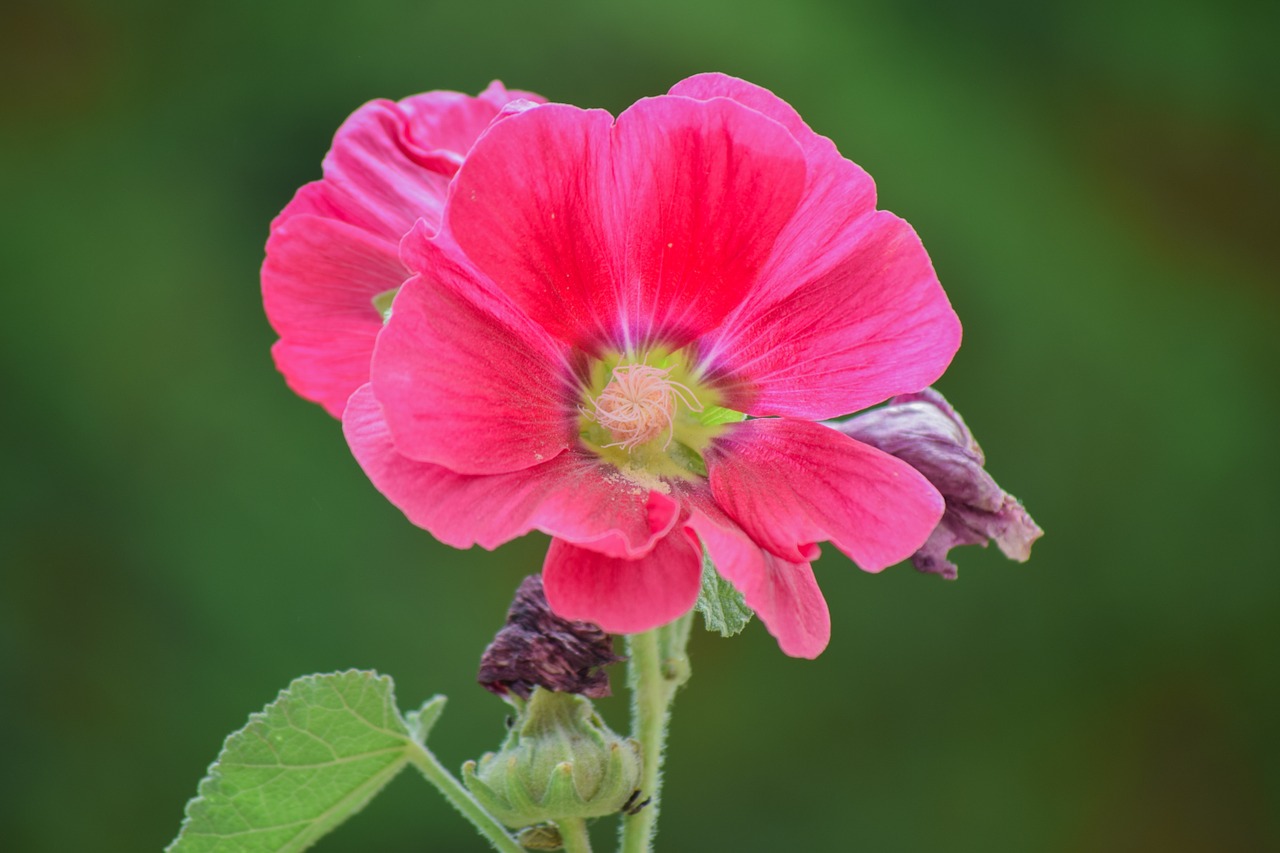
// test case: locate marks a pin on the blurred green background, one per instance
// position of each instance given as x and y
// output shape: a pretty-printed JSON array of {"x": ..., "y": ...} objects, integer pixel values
[{"x": 180, "y": 536}]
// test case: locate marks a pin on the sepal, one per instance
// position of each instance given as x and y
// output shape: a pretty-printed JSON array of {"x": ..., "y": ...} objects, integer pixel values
[{"x": 559, "y": 761}]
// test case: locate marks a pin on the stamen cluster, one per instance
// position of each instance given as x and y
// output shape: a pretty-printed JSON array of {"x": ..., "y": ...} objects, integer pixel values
[{"x": 639, "y": 404}]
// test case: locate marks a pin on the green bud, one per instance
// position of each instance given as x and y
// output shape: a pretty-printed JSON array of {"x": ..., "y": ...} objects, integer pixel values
[
  {"x": 559, "y": 761},
  {"x": 544, "y": 836}
]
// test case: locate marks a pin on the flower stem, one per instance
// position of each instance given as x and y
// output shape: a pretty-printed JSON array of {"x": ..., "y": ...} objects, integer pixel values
[
  {"x": 460, "y": 798},
  {"x": 573, "y": 832},
  {"x": 658, "y": 666}
]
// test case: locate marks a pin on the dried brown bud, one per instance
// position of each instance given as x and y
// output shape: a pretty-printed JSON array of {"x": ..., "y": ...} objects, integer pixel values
[{"x": 537, "y": 647}]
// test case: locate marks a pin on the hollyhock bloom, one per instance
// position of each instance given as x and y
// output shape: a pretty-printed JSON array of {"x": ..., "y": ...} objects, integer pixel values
[
  {"x": 538, "y": 648},
  {"x": 333, "y": 259},
  {"x": 925, "y": 432},
  {"x": 605, "y": 304}
]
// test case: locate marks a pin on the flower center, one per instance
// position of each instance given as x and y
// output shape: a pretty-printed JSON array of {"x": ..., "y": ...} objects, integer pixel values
[
  {"x": 650, "y": 416},
  {"x": 639, "y": 405}
]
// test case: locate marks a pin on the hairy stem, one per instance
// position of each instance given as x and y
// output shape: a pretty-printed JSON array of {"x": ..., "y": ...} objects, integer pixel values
[
  {"x": 573, "y": 832},
  {"x": 658, "y": 666},
  {"x": 460, "y": 798}
]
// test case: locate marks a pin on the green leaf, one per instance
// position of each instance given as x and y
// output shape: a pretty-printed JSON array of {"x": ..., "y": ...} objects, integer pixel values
[
  {"x": 714, "y": 415},
  {"x": 419, "y": 722},
  {"x": 721, "y": 605},
  {"x": 307, "y": 762}
]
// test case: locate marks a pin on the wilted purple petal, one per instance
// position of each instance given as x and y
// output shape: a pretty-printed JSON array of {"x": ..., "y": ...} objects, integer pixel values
[
  {"x": 537, "y": 647},
  {"x": 924, "y": 431}
]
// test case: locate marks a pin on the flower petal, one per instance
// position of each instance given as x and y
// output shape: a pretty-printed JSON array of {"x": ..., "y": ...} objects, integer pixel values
[
  {"x": 528, "y": 211},
  {"x": 784, "y": 594},
  {"x": 648, "y": 230},
  {"x": 318, "y": 284},
  {"x": 792, "y": 483},
  {"x": 466, "y": 380},
  {"x": 877, "y": 324},
  {"x": 835, "y": 245},
  {"x": 624, "y": 596},
  {"x": 571, "y": 496},
  {"x": 336, "y": 244},
  {"x": 706, "y": 187},
  {"x": 443, "y": 126},
  {"x": 374, "y": 178},
  {"x": 837, "y": 193}
]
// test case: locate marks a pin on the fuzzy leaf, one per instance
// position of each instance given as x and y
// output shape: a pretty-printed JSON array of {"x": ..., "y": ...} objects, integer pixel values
[
  {"x": 304, "y": 764},
  {"x": 420, "y": 722},
  {"x": 721, "y": 605}
]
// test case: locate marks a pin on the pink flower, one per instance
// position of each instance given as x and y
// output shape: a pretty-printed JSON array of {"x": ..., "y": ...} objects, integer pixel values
[
  {"x": 333, "y": 255},
  {"x": 603, "y": 305}
]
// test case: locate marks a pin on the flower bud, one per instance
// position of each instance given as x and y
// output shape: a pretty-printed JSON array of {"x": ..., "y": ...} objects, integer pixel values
[
  {"x": 559, "y": 761},
  {"x": 925, "y": 432},
  {"x": 544, "y": 836}
]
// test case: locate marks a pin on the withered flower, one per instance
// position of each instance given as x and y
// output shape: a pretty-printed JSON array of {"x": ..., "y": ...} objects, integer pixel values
[
  {"x": 924, "y": 431},
  {"x": 537, "y": 647}
]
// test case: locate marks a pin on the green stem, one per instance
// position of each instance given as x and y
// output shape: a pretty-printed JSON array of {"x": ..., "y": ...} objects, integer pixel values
[
  {"x": 460, "y": 798},
  {"x": 573, "y": 832},
  {"x": 657, "y": 667}
]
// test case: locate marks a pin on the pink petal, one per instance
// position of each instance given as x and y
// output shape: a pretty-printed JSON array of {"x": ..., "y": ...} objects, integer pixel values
[
  {"x": 784, "y": 594},
  {"x": 792, "y": 483},
  {"x": 714, "y": 84},
  {"x": 706, "y": 188},
  {"x": 571, "y": 496},
  {"x": 527, "y": 210},
  {"x": 837, "y": 194},
  {"x": 465, "y": 380},
  {"x": 835, "y": 245},
  {"x": 443, "y": 126},
  {"x": 318, "y": 284},
  {"x": 335, "y": 245},
  {"x": 650, "y": 229},
  {"x": 877, "y": 325},
  {"x": 374, "y": 175},
  {"x": 624, "y": 596},
  {"x": 500, "y": 96},
  {"x": 390, "y": 163}
]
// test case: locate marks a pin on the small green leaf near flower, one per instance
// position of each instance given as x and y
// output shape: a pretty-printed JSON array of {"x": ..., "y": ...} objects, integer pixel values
[
  {"x": 716, "y": 415},
  {"x": 420, "y": 722},
  {"x": 303, "y": 765},
  {"x": 720, "y": 604}
]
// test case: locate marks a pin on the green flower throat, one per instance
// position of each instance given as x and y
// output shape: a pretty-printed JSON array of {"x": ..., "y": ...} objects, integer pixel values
[{"x": 650, "y": 416}]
